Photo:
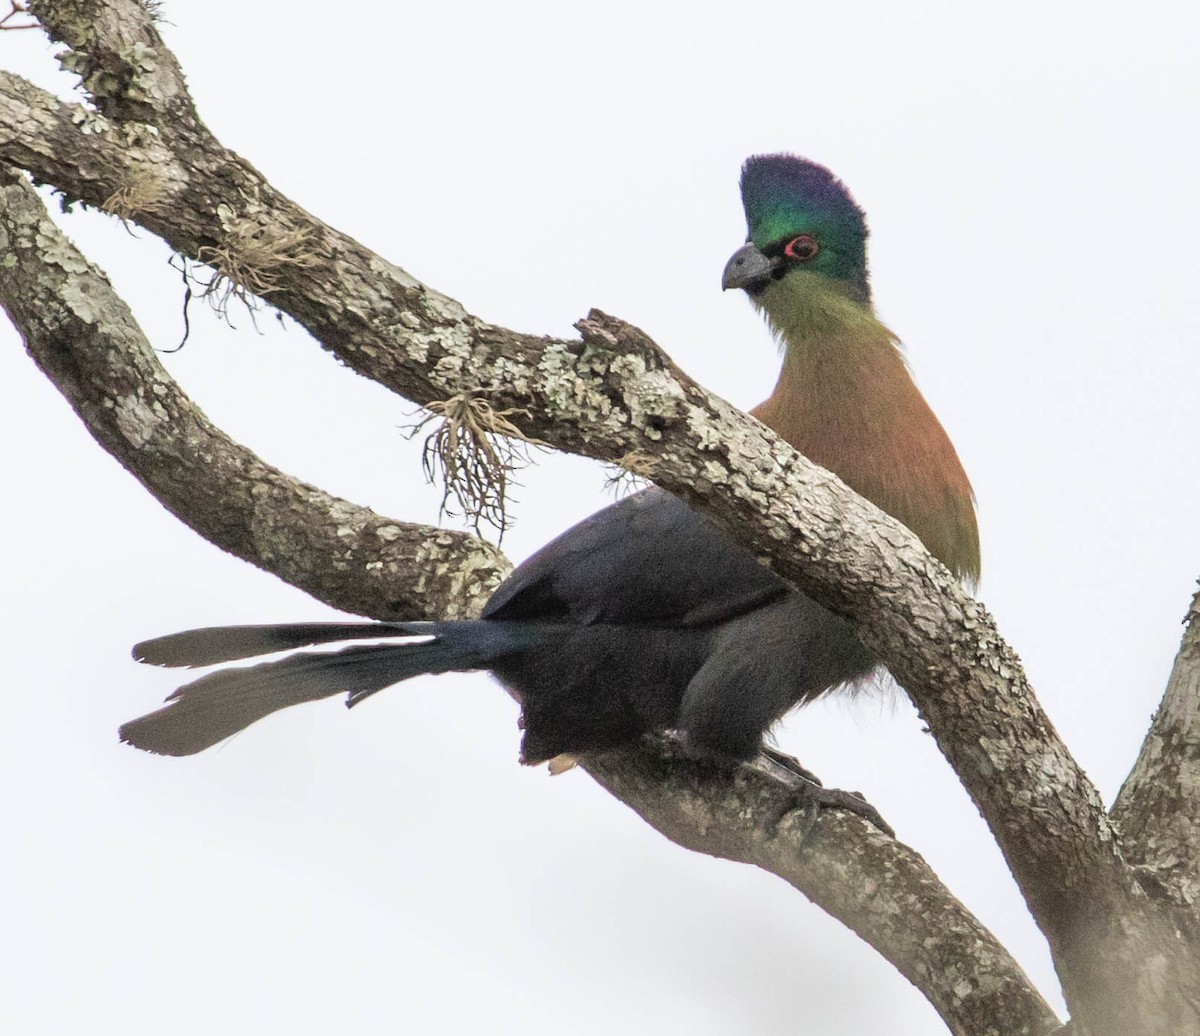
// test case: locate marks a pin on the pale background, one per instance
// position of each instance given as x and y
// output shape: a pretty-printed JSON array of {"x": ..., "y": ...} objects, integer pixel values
[{"x": 1030, "y": 174}]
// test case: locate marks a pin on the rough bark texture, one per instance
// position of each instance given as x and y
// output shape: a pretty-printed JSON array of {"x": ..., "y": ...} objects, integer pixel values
[
  {"x": 83, "y": 336},
  {"x": 86, "y": 341},
  {"x": 870, "y": 882},
  {"x": 1122, "y": 931},
  {"x": 1158, "y": 808}
]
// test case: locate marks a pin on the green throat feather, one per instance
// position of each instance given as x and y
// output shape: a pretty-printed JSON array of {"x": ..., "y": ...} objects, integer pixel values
[{"x": 845, "y": 397}]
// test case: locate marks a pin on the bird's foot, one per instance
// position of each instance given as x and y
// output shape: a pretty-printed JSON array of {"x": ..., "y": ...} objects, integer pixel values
[
  {"x": 791, "y": 764},
  {"x": 807, "y": 793},
  {"x": 810, "y": 796}
]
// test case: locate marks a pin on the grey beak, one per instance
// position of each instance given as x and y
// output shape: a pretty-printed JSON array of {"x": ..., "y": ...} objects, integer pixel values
[{"x": 748, "y": 268}]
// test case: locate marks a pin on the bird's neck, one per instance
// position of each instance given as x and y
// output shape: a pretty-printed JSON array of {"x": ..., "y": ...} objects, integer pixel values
[{"x": 846, "y": 400}]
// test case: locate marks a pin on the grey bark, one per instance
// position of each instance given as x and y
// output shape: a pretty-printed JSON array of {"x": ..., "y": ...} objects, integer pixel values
[
  {"x": 1120, "y": 917},
  {"x": 88, "y": 343},
  {"x": 1158, "y": 808}
]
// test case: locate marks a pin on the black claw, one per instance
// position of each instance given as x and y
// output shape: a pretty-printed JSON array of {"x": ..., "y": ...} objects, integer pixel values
[
  {"x": 791, "y": 764},
  {"x": 806, "y": 792},
  {"x": 810, "y": 796},
  {"x": 803, "y": 802}
]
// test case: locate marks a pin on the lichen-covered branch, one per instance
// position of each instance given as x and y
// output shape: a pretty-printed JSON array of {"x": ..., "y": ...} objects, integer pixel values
[
  {"x": 87, "y": 342},
  {"x": 1158, "y": 808},
  {"x": 115, "y": 49},
  {"x": 614, "y": 394},
  {"x": 874, "y": 885}
]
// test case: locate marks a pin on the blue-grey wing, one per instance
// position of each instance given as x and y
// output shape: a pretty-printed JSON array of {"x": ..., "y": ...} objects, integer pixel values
[{"x": 646, "y": 560}]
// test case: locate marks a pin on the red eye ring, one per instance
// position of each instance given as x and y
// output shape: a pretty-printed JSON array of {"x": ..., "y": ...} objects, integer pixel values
[{"x": 801, "y": 248}]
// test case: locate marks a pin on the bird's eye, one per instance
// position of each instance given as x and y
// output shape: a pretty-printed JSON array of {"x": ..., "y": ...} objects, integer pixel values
[{"x": 801, "y": 248}]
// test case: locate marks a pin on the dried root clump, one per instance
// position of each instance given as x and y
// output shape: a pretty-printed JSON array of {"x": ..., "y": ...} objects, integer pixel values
[
  {"x": 153, "y": 8},
  {"x": 249, "y": 264},
  {"x": 141, "y": 195},
  {"x": 474, "y": 450},
  {"x": 631, "y": 472}
]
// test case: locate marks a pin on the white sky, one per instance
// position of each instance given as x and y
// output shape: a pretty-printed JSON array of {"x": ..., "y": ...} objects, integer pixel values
[{"x": 1030, "y": 175}]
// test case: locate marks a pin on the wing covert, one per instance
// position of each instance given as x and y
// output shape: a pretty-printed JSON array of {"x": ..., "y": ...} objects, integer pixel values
[{"x": 646, "y": 560}]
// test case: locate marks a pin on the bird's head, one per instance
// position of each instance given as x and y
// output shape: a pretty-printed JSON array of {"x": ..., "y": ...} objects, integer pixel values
[{"x": 805, "y": 233}]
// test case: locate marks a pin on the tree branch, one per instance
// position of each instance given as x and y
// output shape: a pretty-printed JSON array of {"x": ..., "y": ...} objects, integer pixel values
[
  {"x": 85, "y": 339},
  {"x": 1158, "y": 807},
  {"x": 615, "y": 394},
  {"x": 876, "y": 886},
  {"x": 123, "y": 66}
]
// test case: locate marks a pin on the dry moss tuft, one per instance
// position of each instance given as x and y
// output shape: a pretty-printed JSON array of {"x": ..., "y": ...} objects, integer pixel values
[
  {"x": 631, "y": 472},
  {"x": 474, "y": 450},
  {"x": 250, "y": 264},
  {"x": 142, "y": 195}
]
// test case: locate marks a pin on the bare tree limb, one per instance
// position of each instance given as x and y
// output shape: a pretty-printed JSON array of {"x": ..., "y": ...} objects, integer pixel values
[
  {"x": 875, "y": 885},
  {"x": 615, "y": 394},
  {"x": 1158, "y": 807},
  {"x": 87, "y": 342},
  {"x": 115, "y": 49}
]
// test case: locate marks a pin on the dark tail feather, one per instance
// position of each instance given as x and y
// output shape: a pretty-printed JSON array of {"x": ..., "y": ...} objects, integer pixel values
[
  {"x": 229, "y": 643},
  {"x": 210, "y": 709}
]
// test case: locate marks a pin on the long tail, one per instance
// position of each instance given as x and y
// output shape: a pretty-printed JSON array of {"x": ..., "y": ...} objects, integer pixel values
[{"x": 208, "y": 710}]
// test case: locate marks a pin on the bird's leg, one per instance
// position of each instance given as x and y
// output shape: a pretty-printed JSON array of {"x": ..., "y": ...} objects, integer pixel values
[
  {"x": 792, "y": 764},
  {"x": 806, "y": 792},
  {"x": 810, "y": 796}
]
